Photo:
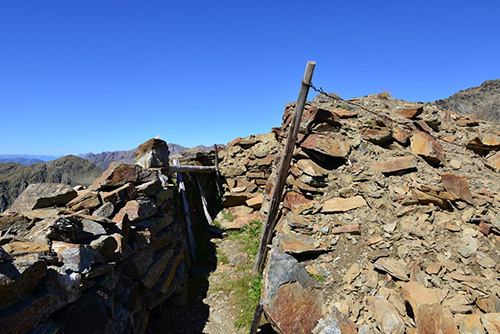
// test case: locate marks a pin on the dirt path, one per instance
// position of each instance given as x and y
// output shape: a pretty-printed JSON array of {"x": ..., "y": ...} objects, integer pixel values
[
  {"x": 218, "y": 301},
  {"x": 223, "y": 313}
]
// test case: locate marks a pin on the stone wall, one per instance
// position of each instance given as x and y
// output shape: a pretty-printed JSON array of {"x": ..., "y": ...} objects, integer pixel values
[
  {"x": 389, "y": 221},
  {"x": 100, "y": 260}
]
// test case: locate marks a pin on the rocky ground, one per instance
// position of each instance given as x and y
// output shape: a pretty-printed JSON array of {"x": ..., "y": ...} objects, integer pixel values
[{"x": 389, "y": 221}]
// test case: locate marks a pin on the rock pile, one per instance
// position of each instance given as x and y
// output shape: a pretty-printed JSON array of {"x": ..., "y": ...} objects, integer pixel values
[
  {"x": 389, "y": 222},
  {"x": 97, "y": 260},
  {"x": 246, "y": 166}
]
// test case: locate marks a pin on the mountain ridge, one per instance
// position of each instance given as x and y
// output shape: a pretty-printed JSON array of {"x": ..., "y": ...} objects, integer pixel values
[
  {"x": 71, "y": 170},
  {"x": 482, "y": 101},
  {"x": 103, "y": 159}
]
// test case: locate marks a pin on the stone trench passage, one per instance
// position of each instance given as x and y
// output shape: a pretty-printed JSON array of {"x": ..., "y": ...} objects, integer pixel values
[{"x": 222, "y": 290}]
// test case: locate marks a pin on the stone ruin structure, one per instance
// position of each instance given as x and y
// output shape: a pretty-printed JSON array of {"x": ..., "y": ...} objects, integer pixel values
[{"x": 97, "y": 260}]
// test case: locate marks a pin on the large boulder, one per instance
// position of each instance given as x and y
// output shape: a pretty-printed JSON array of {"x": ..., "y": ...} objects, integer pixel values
[{"x": 153, "y": 153}]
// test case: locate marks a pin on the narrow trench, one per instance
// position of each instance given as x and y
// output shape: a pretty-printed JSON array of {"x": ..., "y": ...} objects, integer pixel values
[{"x": 192, "y": 315}]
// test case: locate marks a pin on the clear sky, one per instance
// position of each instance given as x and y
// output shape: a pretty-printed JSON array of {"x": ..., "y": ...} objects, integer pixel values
[{"x": 104, "y": 75}]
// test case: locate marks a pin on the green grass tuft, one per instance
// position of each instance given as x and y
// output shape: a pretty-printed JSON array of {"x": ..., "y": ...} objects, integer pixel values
[
  {"x": 217, "y": 224},
  {"x": 227, "y": 216},
  {"x": 244, "y": 286},
  {"x": 249, "y": 236},
  {"x": 319, "y": 278},
  {"x": 250, "y": 288}
]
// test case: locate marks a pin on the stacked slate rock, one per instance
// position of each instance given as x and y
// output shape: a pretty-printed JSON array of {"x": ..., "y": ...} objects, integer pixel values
[
  {"x": 389, "y": 221},
  {"x": 96, "y": 260},
  {"x": 246, "y": 164}
]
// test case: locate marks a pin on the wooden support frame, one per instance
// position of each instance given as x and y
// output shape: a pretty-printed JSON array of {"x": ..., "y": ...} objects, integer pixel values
[
  {"x": 204, "y": 202},
  {"x": 190, "y": 169},
  {"x": 217, "y": 172}
]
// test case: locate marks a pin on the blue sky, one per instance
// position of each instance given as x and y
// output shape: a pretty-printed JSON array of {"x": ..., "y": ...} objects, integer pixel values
[{"x": 92, "y": 76}]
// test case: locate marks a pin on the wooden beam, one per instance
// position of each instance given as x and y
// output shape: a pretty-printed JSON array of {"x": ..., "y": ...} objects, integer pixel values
[
  {"x": 217, "y": 172},
  {"x": 204, "y": 201},
  {"x": 182, "y": 190},
  {"x": 190, "y": 169},
  {"x": 283, "y": 169}
]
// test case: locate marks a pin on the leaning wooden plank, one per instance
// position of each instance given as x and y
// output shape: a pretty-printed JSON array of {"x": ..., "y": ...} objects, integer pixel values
[
  {"x": 182, "y": 190},
  {"x": 283, "y": 169},
  {"x": 217, "y": 172},
  {"x": 203, "y": 201},
  {"x": 190, "y": 169}
]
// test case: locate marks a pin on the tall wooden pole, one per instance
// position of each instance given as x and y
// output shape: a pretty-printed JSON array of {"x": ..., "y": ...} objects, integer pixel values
[{"x": 283, "y": 169}]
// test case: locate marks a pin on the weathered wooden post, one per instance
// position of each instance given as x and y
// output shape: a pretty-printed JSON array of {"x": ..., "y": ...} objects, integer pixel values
[
  {"x": 182, "y": 190},
  {"x": 217, "y": 172},
  {"x": 283, "y": 169},
  {"x": 280, "y": 184}
]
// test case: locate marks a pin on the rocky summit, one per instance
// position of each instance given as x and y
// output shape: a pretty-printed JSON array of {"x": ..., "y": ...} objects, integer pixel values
[
  {"x": 389, "y": 220},
  {"x": 388, "y": 224}
]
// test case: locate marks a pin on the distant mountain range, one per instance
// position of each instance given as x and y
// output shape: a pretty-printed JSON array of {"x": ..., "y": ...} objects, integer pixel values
[
  {"x": 103, "y": 159},
  {"x": 14, "y": 178},
  {"x": 21, "y": 161},
  {"x": 482, "y": 101},
  {"x": 17, "y": 172},
  {"x": 27, "y": 159}
]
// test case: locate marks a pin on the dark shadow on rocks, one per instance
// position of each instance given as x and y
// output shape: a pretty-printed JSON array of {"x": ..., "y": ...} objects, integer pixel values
[
  {"x": 324, "y": 161},
  {"x": 190, "y": 314},
  {"x": 266, "y": 329}
]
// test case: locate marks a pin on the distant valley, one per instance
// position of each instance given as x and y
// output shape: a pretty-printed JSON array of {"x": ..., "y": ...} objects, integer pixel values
[{"x": 26, "y": 159}]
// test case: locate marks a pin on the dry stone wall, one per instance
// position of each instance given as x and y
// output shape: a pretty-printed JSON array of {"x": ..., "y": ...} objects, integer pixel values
[
  {"x": 389, "y": 221},
  {"x": 97, "y": 260}
]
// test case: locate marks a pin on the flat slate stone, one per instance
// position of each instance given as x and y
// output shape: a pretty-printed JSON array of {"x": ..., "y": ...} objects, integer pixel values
[
  {"x": 427, "y": 147},
  {"x": 393, "y": 268},
  {"x": 295, "y": 243},
  {"x": 19, "y": 277},
  {"x": 410, "y": 112},
  {"x": 395, "y": 165},
  {"x": 327, "y": 146},
  {"x": 339, "y": 204},
  {"x": 457, "y": 186},
  {"x": 42, "y": 195}
]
